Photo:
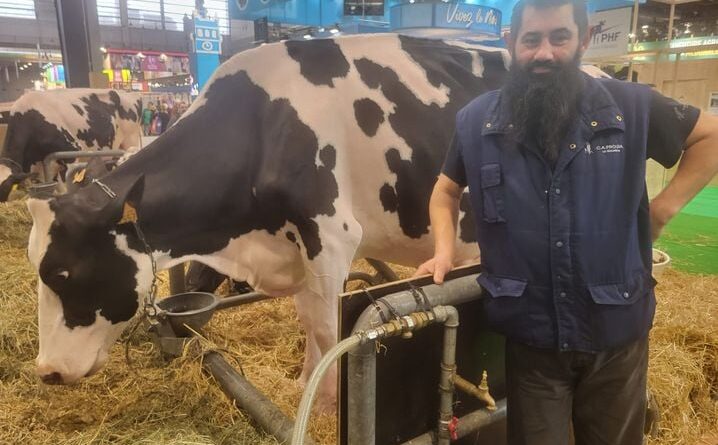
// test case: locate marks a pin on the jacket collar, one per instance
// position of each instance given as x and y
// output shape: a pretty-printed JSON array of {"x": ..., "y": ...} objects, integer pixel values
[{"x": 597, "y": 110}]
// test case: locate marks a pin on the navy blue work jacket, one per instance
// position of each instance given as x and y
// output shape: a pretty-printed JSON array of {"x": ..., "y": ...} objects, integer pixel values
[{"x": 566, "y": 250}]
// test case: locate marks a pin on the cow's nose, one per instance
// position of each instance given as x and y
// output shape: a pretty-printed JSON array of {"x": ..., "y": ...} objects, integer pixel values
[{"x": 54, "y": 378}]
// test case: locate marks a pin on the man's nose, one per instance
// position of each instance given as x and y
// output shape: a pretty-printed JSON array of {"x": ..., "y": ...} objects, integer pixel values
[{"x": 544, "y": 53}]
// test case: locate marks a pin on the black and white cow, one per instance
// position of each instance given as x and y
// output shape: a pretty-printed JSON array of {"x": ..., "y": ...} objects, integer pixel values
[
  {"x": 296, "y": 158},
  {"x": 44, "y": 122}
]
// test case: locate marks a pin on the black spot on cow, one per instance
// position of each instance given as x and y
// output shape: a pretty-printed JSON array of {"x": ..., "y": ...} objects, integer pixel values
[
  {"x": 30, "y": 137},
  {"x": 369, "y": 115},
  {"x": 293, "y": 238},
  {"x": 79, "y": 109},
  {"x": 467, "y": 225},
  {"x": 257, "y": 173},
  {"x": 138, "y": 109},
  {"x": 127, "y": 114},
  {"x": 346, "y": 227},
  {"x": 388, "y": 198},
  {"x": 425, "y": 128},
  {"x": 319, "y": 60},
  {"x": 101, "y": 129},
  {"x": 92, "y": 285}
]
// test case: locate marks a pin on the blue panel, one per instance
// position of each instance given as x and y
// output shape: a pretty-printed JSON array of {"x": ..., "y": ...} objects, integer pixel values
[
  {"x": 328, "y": 12},
  {"x": 206, "y": 36},
  {"x": 206, "y": 64},
  {"x": 472, "y": 18}
]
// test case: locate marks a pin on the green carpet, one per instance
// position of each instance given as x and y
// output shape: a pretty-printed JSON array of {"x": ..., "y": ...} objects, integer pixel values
[{"x": 691, "y": 238}]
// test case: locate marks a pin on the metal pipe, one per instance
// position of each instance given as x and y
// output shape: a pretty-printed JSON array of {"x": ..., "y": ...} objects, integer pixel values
[
  {"x": 62, "y": 155},
  {"x": 398, "y": 326},
  {"x": 481, "y": 391},
  {"x": 361, "y": 362},
  {"x": 239, "y": 300},
  {"x": 249, "y": 399},
  {"x": 467, "y": 424},
  {"x": 448, "y": 368}
]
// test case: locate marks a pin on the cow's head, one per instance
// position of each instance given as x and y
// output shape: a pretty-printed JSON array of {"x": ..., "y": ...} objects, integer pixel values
[
  {"x": 91, "y": 281},
  {"x": 10, "y": 174}
]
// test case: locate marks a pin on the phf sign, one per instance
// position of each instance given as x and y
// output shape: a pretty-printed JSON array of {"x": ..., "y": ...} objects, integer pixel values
[{"x": 609, "y": 33}]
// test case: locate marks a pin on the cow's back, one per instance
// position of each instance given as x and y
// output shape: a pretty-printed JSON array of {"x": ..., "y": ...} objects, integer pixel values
[{"x": 377, "y": 111}]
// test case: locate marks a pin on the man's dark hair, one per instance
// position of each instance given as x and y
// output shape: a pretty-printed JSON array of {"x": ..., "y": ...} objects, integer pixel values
[{"x": 580, "y": 13}]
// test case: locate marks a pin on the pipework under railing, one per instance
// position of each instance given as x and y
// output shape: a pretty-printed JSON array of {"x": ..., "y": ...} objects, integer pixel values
[{"x": 397, "y": 327}]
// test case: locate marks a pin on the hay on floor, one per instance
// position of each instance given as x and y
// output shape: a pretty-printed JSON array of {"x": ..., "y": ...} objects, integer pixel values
[{"x": 149, "y": 401}]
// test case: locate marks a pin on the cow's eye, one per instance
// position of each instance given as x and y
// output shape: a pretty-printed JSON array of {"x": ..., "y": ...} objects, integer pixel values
[{"x": 63, "y": 274}]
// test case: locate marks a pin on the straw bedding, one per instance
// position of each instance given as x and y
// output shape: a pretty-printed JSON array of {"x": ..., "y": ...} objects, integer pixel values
[{"x": 150, "y": 401}]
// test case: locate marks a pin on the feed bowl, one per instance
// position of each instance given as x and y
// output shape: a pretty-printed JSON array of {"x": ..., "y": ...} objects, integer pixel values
[
  {"x": 193, "y": 309},
  {"x": 661, "y": 261}
]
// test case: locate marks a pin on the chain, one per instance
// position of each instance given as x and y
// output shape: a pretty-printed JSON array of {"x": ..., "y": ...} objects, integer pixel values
[
  {"x": 105, "y": 188},
  {"x": 150, "y": 309}
]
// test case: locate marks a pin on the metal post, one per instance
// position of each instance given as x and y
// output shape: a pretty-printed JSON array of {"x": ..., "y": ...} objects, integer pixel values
[
  {"x": 634, "y": 32},
  {"x": 361, "y": 372},
  {"x": 75, "y": 42},
  {"x": 448, "y": 369},
  {"x": 671, "y": 17}
]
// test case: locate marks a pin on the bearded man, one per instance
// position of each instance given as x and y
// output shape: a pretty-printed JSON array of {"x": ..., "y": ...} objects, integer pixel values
[{"x": 555, "y": 163}]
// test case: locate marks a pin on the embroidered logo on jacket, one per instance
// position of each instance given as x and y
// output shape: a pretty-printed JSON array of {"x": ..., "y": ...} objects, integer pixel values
[{"x": 608, "y": 148}]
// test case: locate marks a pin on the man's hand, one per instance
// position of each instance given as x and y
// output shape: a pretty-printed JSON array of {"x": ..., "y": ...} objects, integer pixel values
[
  {"x": 438, "y": 266},
  {"x": 659, "y": 218}
]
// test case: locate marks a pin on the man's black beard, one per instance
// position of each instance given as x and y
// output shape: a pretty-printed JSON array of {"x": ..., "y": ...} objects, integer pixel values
[{"x": 544, "y": 105}]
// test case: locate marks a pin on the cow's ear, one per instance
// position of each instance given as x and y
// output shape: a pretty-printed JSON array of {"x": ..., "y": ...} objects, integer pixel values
[{"x": 122, "y": 209}]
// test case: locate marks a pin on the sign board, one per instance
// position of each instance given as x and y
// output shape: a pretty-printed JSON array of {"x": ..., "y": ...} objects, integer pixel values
[
  {"x": 241, "y": 29},
  {"x": 609, "y": 33},
  {"x": 206, "y": 36},
  {"x": 472, "y": 18}
]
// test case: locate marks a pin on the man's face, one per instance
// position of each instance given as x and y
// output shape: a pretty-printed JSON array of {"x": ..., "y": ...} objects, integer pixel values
[{"x": 547, "y": 39}]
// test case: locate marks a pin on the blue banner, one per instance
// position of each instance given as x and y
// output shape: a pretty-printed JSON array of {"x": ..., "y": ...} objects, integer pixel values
[
  {"x": 476, "y": 19},
  {"x": 206, "y": 36}
]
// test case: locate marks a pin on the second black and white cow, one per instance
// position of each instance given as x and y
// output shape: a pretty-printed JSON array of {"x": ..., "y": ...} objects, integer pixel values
[
  {"x": 44, "y": 122},
  {"x": 296, "y": 158}
]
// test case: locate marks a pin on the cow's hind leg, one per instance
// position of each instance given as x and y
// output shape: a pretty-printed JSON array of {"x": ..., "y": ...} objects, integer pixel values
[{"x": 317, "y": 309}]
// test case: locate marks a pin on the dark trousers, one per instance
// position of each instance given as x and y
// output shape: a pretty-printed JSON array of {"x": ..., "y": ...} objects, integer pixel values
[{"x": 603, "y": 394}]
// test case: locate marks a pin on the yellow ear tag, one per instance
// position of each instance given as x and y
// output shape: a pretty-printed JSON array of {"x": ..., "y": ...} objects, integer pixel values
[
  {"x": 79, "y": 176},
  {"x": 129, "y": 214},
  {"x": 14, "y": 187}
]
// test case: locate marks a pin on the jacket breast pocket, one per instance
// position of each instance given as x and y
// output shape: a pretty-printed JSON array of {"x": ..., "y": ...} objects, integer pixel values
[{"x": 492, "y": 192}]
